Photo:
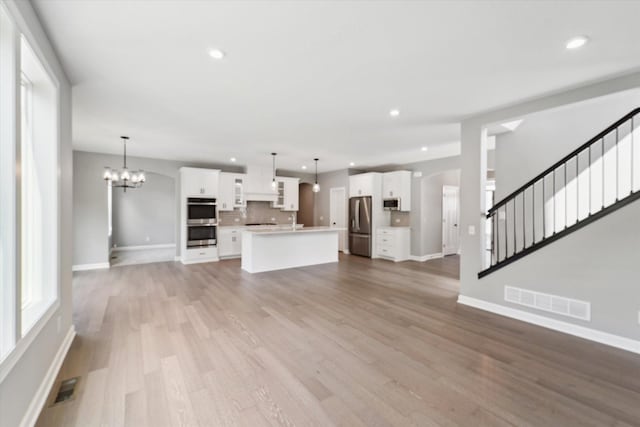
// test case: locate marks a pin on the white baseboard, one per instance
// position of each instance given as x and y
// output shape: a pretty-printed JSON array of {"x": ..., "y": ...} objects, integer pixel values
[
  {"x": 557, "y": 325},
  {"x": 425, "y": 257},
  {"x": 40, "y": 397},
  {"x": 199, "y": 261},
  {"x": 96, "y": 266},
  {"x": 143, "y": 247},
  {"x": 345, "y": 251},
  {"x": 177, "y": 258}
]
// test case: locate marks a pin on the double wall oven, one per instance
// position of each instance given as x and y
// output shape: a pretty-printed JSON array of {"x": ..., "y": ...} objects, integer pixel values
[{"x": 202, "y": 222}]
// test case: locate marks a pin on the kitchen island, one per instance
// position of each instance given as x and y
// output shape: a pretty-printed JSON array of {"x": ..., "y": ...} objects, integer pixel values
[{"x": 268, "y": 249}]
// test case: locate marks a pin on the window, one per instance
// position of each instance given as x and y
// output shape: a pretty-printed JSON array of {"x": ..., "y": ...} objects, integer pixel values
[
  {"x": 29, "y": 276},
  {"x": 7, "y": 187},
  {"x": 38, "y": 189}
]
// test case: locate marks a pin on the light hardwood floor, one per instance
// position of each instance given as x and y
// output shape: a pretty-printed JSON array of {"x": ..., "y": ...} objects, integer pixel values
[{"x": 361, "y": 342}]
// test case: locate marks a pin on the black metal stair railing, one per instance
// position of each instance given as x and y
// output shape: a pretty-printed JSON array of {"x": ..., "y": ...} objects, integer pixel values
[{"x": 592, "y": 181}]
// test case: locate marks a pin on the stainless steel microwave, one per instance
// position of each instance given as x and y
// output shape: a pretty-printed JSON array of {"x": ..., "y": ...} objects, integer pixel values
[{"x": 392, "y": 204}]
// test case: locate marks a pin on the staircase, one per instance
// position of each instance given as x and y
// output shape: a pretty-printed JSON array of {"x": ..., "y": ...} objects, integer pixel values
[{"x": 597, "y": 178}]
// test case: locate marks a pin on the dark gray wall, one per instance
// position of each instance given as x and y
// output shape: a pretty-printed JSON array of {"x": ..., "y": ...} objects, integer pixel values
[{"x": 146, "y": 215}]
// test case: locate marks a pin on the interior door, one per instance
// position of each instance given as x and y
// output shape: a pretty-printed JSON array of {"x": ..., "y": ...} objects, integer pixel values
[
  {"x": 450, "y": 218},
  {"x": 338, "y": 214}
]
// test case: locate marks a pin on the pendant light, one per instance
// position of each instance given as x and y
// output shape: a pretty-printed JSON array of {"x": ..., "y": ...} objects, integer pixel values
[
  {"x": 316, "y": 186},
  {"x": 124, "y": 179},
  {"x": 273, "y": 180}
]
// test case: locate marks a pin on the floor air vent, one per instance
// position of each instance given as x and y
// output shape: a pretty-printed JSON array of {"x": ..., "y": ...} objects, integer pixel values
[
  {"x": 66, "y": 391},
  {"x": 551, "y": 303}
]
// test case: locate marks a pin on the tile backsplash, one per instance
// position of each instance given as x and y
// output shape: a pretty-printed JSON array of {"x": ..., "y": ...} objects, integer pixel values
[
  {"x": 255, "y": 212},
  {"x": 400, "y": 219}
]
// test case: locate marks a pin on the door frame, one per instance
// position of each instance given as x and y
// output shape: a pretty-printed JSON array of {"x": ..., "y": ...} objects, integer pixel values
[
  {"x": 342, "y": 235},
  {"x": 446, "y": 190}
]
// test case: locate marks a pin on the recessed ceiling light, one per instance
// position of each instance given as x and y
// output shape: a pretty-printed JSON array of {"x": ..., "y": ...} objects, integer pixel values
[
  {"x": 304, "y": 167},
  {"x": 577, "y": 42},
  {"x": 352, "y": 164},
  {"x": 425, "y": 148},
  {"x": 233, "y": 159},
  {"x": 394, "y": 113},
  {"x": 216, "y": 53}
]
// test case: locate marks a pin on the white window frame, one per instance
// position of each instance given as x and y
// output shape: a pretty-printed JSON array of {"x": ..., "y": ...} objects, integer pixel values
[{"x": 13, "y": 342}]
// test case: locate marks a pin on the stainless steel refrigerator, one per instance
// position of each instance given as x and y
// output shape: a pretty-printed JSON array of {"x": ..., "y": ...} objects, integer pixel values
[{"x": 360, "y": 226}]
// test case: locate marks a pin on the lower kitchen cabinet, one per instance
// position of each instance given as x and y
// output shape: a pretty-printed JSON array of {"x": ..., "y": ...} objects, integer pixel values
[
  {"x": 229, "y": 242},
  {"x": 393, "y": 243}
]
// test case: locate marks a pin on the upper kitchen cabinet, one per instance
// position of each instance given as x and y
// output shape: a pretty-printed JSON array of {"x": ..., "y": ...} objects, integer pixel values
[
  {"x": 287, "y": 193},
  {"x": 197, "y": 182},
  {"x": 232, "y": 188},
  {"x": 364, "y": 184},
  {"x": 291, "y": 194},
  {"x": 397, "y": 185}
]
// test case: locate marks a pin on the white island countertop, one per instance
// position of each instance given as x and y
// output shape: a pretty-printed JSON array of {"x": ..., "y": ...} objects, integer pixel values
[
  {"x": 288, "y": 230},
  {"x": 276, "y": 249}
]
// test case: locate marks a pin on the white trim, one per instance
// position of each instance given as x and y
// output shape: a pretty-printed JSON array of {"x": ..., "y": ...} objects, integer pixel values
[
  {"x": 7, "y": 364},
  {"x": 199, "y": 261},
  {"x": 96, "y": 266},
  {"x": 143, "y": 247},
  {"x": 423, "y": 258},
  {"x": 177, "y": 258},
  {"x": 557, "y": 325},
  {"x": 346, "y": 251},
  {"x": 40, "y": 397}
]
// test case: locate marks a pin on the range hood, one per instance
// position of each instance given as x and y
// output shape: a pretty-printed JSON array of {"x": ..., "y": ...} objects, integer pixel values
[{"x": 258, "y": 187}]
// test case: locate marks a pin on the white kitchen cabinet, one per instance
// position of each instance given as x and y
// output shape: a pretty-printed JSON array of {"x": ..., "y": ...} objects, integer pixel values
[
  {"x": 362, "y": 184},
  {"x": 393, "y": 243},
  {"x": 291, "y": 194},
  {"x": 397, "y": 185},
  {"x": 198, "y": 182},
  {"x": 280, "y": 189},
  {"x": 198, "y": 255},
  {"x": 287, "y": 194},
  {"x": 231, "y": 194},
  {"x": 229, "y": 241}
]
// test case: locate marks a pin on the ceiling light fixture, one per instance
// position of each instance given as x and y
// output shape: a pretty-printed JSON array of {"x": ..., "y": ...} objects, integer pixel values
[
  {"x": 425, "y": 148},
  {"x": 127, "y": 179},
  {"x": 577, "y": 42},
  {"x": 273, "y": 180},
  {"x": 304, "y": 167},
  {"x": 233, "y": 159},
  {"x": 394, "y": 113},
  {"x": 352, "y": 164},
  {"x": 316, "y": 186},
  {"x": 216, "y": 54}
]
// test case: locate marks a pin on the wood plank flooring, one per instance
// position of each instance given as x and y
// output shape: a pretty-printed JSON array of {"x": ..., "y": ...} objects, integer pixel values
[{"x": 358, "y": 343}]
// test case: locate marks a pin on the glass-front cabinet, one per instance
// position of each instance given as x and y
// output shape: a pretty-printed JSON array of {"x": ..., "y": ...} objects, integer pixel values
[
  {"x": 287, "y": 191},
  {"x": 280, "y": 189},
  {"x": 231, "y": 194},
  {"x": 238, "y": 191}
]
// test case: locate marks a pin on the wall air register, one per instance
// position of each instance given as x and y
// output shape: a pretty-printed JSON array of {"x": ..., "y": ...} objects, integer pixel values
[
  {"x": 66, "y": 392},
  {"x": 547, "y": 302}
]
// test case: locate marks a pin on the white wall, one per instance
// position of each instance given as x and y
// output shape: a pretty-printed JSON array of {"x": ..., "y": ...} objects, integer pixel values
[
  {"x": 22, "y": 384},
  {"x": 597, "y": 263}
]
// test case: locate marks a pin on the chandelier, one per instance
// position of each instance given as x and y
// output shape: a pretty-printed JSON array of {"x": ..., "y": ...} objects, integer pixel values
[{"x": 124, "y": 178}]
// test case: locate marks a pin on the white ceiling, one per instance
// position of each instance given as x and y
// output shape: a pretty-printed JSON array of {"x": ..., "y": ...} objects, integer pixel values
[{"x": 311, "y": 79}]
